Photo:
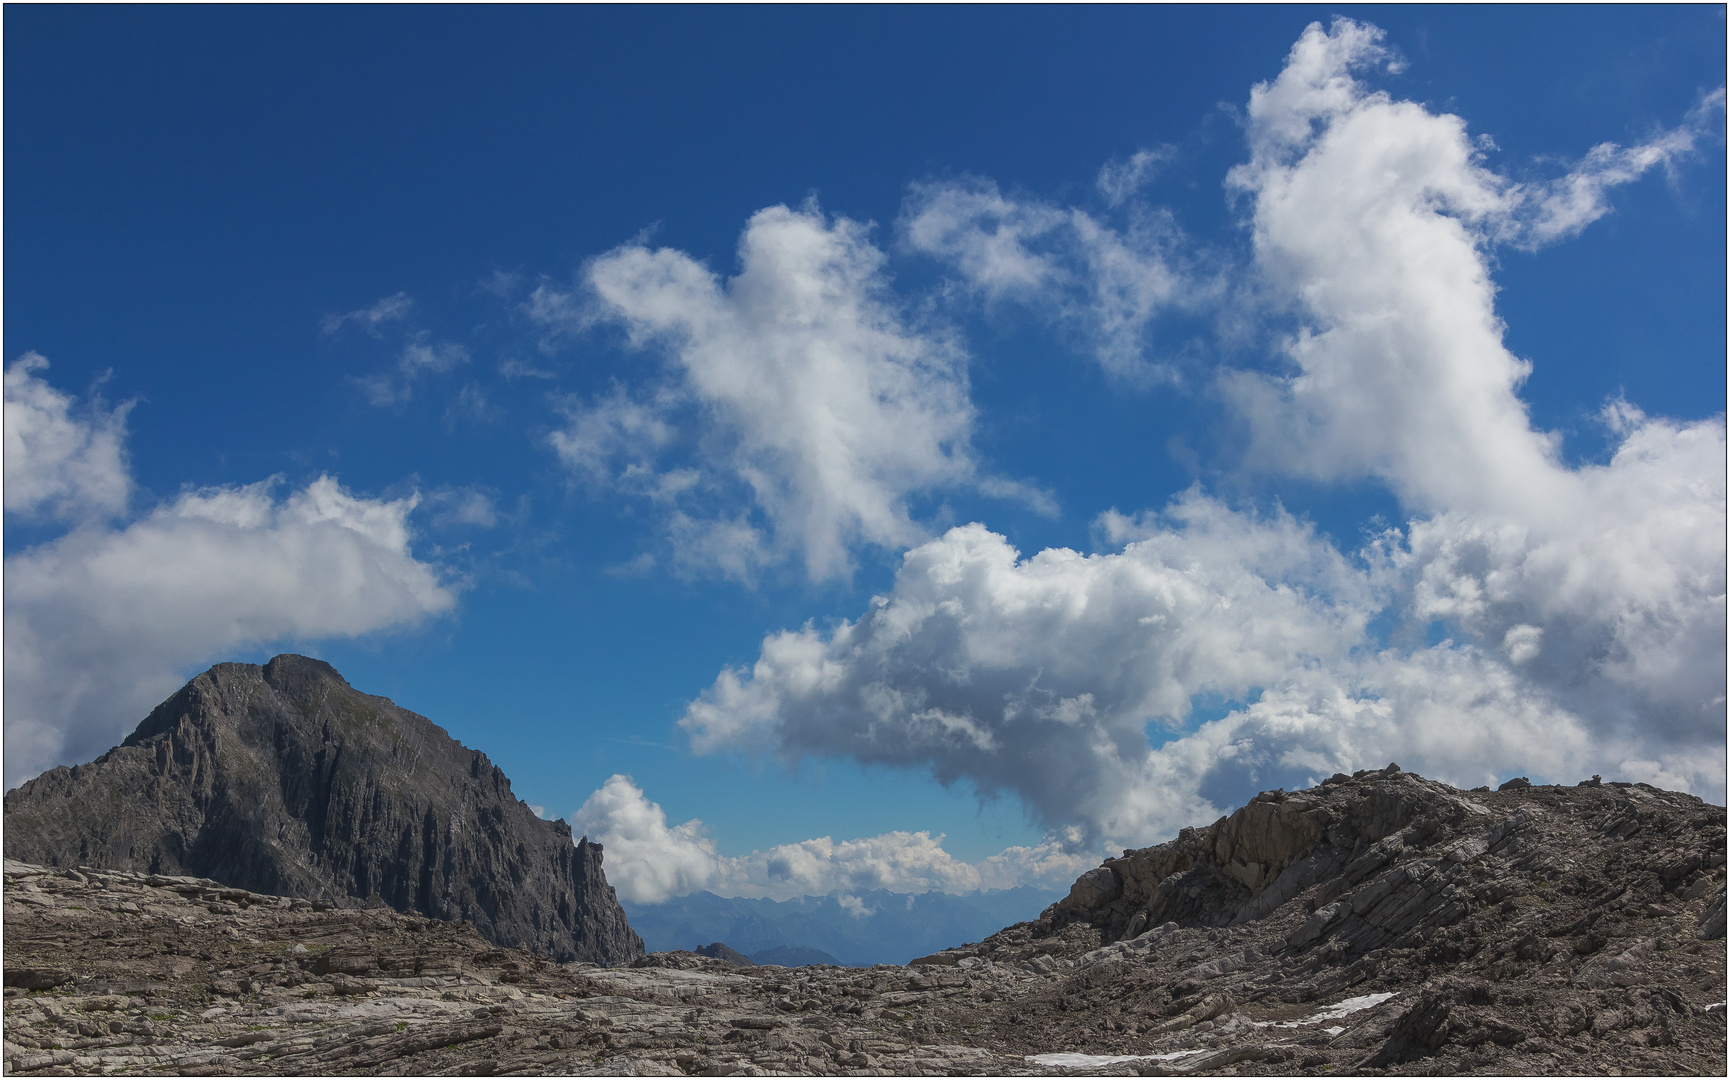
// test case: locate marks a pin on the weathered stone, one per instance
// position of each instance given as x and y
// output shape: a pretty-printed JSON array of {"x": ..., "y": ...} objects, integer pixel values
[
  {"x": 37, "y": 978},
  {"x": 1416, "y": 963},
  {"x": 1094, "y": 889}
]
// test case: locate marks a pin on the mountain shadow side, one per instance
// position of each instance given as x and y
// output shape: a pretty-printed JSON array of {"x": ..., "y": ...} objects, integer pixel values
[{"x": 285, "y": 780}]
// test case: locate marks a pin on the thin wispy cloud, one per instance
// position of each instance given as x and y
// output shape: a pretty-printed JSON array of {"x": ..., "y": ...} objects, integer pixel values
[
  {"x": 389, "y": 309},
  {"x": 1106, "y": 283}
]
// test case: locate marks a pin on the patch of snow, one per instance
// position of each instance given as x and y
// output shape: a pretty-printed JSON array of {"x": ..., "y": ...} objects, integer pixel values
[
  {"x": 1331, "y": 1012},
  {"x": 1351, "y": 1005},
  {"x": 1094, "y": 1061},
  {"x": 1334, "y": 1031},
  {"x": 1076, "y": 1061}
]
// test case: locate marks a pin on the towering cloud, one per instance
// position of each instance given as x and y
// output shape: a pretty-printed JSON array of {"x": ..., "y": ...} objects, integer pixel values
[
  {"x": 1580, "y": 611},
  {"x": 104, "y": 622},
  {"x": 1372, "y": 220},
  {"x": 1604, "y": 585}
]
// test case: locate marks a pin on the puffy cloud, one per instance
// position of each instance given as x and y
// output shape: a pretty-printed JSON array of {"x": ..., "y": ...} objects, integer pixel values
[
  {"x": 649, "y": 861},
  {"x": 102, "y": 624},
  {"x": 809, "y": 407},
  {"x": 1039, "y": 676},
  {"x": 1368, "y": 214},
  {"x": 1582, "y": 608},
  {"x": 1371, "y": 221},
  {"x": 61, "y": 461},
  {"x": 1372, "y": 217},
  {"x": 105, "y": 621},
  {"x": 1615, "y": 602},
  {"x": 1105, "y": 283}
]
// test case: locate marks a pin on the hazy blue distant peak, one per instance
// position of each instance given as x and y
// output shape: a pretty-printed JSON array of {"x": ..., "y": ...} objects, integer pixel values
[{"x": 872, "y": 927}]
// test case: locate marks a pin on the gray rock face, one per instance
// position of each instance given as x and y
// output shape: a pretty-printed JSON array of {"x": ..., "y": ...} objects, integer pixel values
[
  {"x": 285, "y": 780},
  {"x": 1385, "y": 856}
]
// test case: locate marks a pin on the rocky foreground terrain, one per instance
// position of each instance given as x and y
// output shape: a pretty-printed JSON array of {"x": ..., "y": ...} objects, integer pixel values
[
  {"x": 282, "y": 778},
  {"x": 1375, "y": 924}
]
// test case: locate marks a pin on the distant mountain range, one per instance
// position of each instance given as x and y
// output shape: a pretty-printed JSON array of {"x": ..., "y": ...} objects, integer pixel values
[{"x": 875, "y": 927}]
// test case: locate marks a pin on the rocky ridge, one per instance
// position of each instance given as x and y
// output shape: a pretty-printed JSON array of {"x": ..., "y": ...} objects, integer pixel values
[
  {"x": 282, "y": 779},
  {"x": 1377, "y": 924}
]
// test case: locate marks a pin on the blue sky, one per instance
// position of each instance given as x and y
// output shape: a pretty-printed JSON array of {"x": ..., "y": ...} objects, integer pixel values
[{"x": 598, "y": 354}]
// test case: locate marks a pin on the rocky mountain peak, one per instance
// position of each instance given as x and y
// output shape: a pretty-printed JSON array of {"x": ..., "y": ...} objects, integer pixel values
[
  {"x": 1384, "y": 855},
  {"x": 283, "y": 779}
]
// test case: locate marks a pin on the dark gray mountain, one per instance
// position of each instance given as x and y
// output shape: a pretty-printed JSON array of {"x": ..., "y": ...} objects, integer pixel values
[{"x": 285, "y": 780}]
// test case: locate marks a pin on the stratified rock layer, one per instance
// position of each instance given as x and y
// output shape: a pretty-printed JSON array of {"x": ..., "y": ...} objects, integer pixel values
[{"x": 285, "y": 780}]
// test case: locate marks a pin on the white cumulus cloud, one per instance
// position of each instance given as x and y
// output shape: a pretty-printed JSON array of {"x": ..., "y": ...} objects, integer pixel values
[
  {"x": 1372, "y": 219},
  {"x": 62, "y": 461},
  {"x": 809, "y": 405},
  {"x": 646, "y": 859},
  {"x": 649, "y": 861},
  {"x": 1039, "y": 676},
  {"x": 108, "y": 619},
  {"x": 1580, "y": 610}
]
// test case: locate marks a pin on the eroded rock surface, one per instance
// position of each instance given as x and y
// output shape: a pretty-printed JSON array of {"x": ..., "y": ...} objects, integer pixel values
[
  {"x": 1539, "y": 930},
  {"x": 285, "y": 780}
]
